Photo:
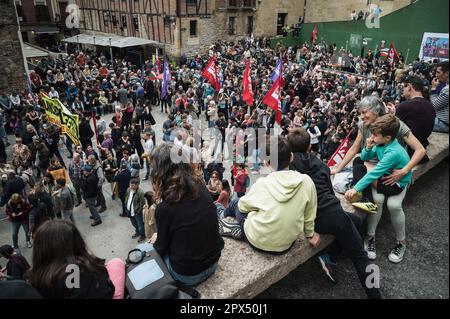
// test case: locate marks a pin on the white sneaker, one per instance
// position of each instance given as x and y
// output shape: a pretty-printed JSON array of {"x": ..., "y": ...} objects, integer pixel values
[
  {"x": 369, "y": 247},
  {"x": 29, "y": 244},
  {"x": 397, "y": 253}
]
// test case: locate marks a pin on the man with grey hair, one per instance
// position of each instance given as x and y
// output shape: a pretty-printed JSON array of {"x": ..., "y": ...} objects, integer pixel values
[{"x": 98, "y": 171}]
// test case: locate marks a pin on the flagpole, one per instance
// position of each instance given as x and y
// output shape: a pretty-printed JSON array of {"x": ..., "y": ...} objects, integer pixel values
[{"x": 407, "y": 56}]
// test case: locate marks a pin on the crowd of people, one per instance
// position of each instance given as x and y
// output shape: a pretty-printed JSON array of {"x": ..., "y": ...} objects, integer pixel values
[{"x": 382, "y": 107}]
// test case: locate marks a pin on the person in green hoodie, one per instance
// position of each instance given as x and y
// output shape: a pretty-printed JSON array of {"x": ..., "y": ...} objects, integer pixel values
[
  {"x": 384, "y": 145},
  {"x": 276, "y": 210}
]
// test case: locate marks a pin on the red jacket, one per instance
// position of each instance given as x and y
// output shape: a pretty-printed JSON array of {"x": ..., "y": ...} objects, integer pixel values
[
  {"x": 25, "y": 209},
  {"x": 240, "y": 182}
]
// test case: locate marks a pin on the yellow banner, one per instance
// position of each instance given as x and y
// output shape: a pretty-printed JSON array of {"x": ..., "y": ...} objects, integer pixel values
[{"x": 58, "y": 114}]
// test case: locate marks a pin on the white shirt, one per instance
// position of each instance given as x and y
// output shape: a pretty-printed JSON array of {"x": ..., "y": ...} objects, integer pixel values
[
  {"x": 148, "y": 146},
  {"x": 53, "y": 94},
  {"x": 315, "y": 137},
  {"x": 130, "y": 205}
]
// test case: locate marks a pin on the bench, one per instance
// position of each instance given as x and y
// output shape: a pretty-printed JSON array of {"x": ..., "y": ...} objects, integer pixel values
[{"x": 244, "y": 273}]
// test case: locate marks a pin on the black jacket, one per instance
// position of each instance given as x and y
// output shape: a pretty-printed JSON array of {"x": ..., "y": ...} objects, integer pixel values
[
  {"x": 46, "y": 199},
  {"x": 92, "y": 286},
  {"x": 188, "y": 233},
  {"x": 85, "y": 130},
  {"x": 89, "y": 186},
  {"x": 123, "y": 178},
  {"x": 310, "y": 165}
]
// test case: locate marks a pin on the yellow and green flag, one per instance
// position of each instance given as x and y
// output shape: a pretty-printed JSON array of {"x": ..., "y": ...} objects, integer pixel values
[{"x": 59, "y": 115}]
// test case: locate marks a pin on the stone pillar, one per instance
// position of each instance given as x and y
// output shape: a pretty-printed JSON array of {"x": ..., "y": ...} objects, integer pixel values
[{"x": 11, "y": 55}]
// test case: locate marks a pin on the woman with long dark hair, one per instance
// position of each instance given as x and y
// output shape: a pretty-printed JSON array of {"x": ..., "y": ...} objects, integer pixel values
[
  {"x": 188, "y": 233},
  {"x": 59, "y": 254}
]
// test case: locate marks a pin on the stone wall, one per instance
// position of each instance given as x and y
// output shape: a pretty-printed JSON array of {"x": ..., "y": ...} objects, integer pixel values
[
  {"x": 267, "y": 13},
  {"x": 326, "y": 11},
  {"x": 11, "y": 56},
  {"x": 208, "y": 32}
]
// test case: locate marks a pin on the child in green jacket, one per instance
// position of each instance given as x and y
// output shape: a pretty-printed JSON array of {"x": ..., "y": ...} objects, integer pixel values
[{"x": 392, "y": 156}]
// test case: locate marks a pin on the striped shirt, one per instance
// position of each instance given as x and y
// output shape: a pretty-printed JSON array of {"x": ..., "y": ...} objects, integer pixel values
[{"x": 440, "y": 103}]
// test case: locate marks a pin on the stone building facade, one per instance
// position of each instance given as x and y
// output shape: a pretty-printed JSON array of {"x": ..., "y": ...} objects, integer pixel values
[
  {"x": 188, "y": 26},
  {"x": 327, "y": 11},
  {"x": 11, "y": 56}
]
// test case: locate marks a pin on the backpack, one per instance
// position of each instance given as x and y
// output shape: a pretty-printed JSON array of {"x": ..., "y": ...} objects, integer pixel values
[{"x": 148, "y": 277}]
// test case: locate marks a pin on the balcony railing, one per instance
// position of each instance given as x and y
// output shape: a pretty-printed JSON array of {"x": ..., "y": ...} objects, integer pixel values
[{"x": 241, "y": 4}]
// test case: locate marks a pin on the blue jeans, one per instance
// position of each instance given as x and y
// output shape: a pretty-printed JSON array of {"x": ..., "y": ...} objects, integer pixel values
[
  {"x": 440, "y": 127},
  {"x": 138, "y": 223},
  {"x": 15, "y": 232},
  {"x": 233, "y": 211},
  {"x": 194, "y": 279},
  {"x": 100, "y": 110}
]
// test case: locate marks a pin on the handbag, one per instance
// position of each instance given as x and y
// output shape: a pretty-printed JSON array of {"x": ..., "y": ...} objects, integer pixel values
[{"x": 147, "y": 277}]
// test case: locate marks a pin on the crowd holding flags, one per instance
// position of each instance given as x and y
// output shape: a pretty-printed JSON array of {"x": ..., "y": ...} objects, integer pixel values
[
  {"x": 273, "y": 98},
  {"x": 247, "y": 83},
  {"x": 210, "y": 74},
  {"x": 278, "y": 70},
  {"x": 392, "y": 55},
  {"x": 58, "y": 114}
]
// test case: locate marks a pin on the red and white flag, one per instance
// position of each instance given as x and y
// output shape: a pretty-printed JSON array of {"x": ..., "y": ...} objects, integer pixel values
[
  {"x": 247, "y": 83},
  {"x": 314, "y": 34},
  {"x": 273, "y": 99},
  {"x": 392, "y": 55},
  {"x": 210, "y": 73},
  {"x": 339, "y": 155}
]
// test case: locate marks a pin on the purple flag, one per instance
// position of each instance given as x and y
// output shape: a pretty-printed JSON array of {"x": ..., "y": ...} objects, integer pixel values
[{"x": 166, "y": 79}]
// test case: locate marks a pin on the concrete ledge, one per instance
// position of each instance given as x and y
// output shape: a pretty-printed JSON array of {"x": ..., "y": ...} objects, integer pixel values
[
  {"x": 436, "y": 151},
  {"x": 244, "y": 273}
]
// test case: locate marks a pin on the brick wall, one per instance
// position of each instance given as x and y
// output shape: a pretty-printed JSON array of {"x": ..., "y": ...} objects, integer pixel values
[{"x": 11, "y": 56}]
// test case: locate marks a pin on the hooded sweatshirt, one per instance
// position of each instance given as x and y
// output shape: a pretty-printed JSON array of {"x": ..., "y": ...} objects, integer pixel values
[
  {"x": 280, "y": 207},
  {"x": 308, "y": 164}
]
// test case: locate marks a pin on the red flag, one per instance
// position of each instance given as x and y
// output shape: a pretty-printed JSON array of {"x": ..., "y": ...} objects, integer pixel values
[
  {"x": 273, "y": 99},
  {"x": 247, "y": 83},
  {"x": 314, "y": 34},
  {"x": 210, "y": 73},
  {"x": 392, "y": 55},
  {"x": 339, "y": 155}
]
